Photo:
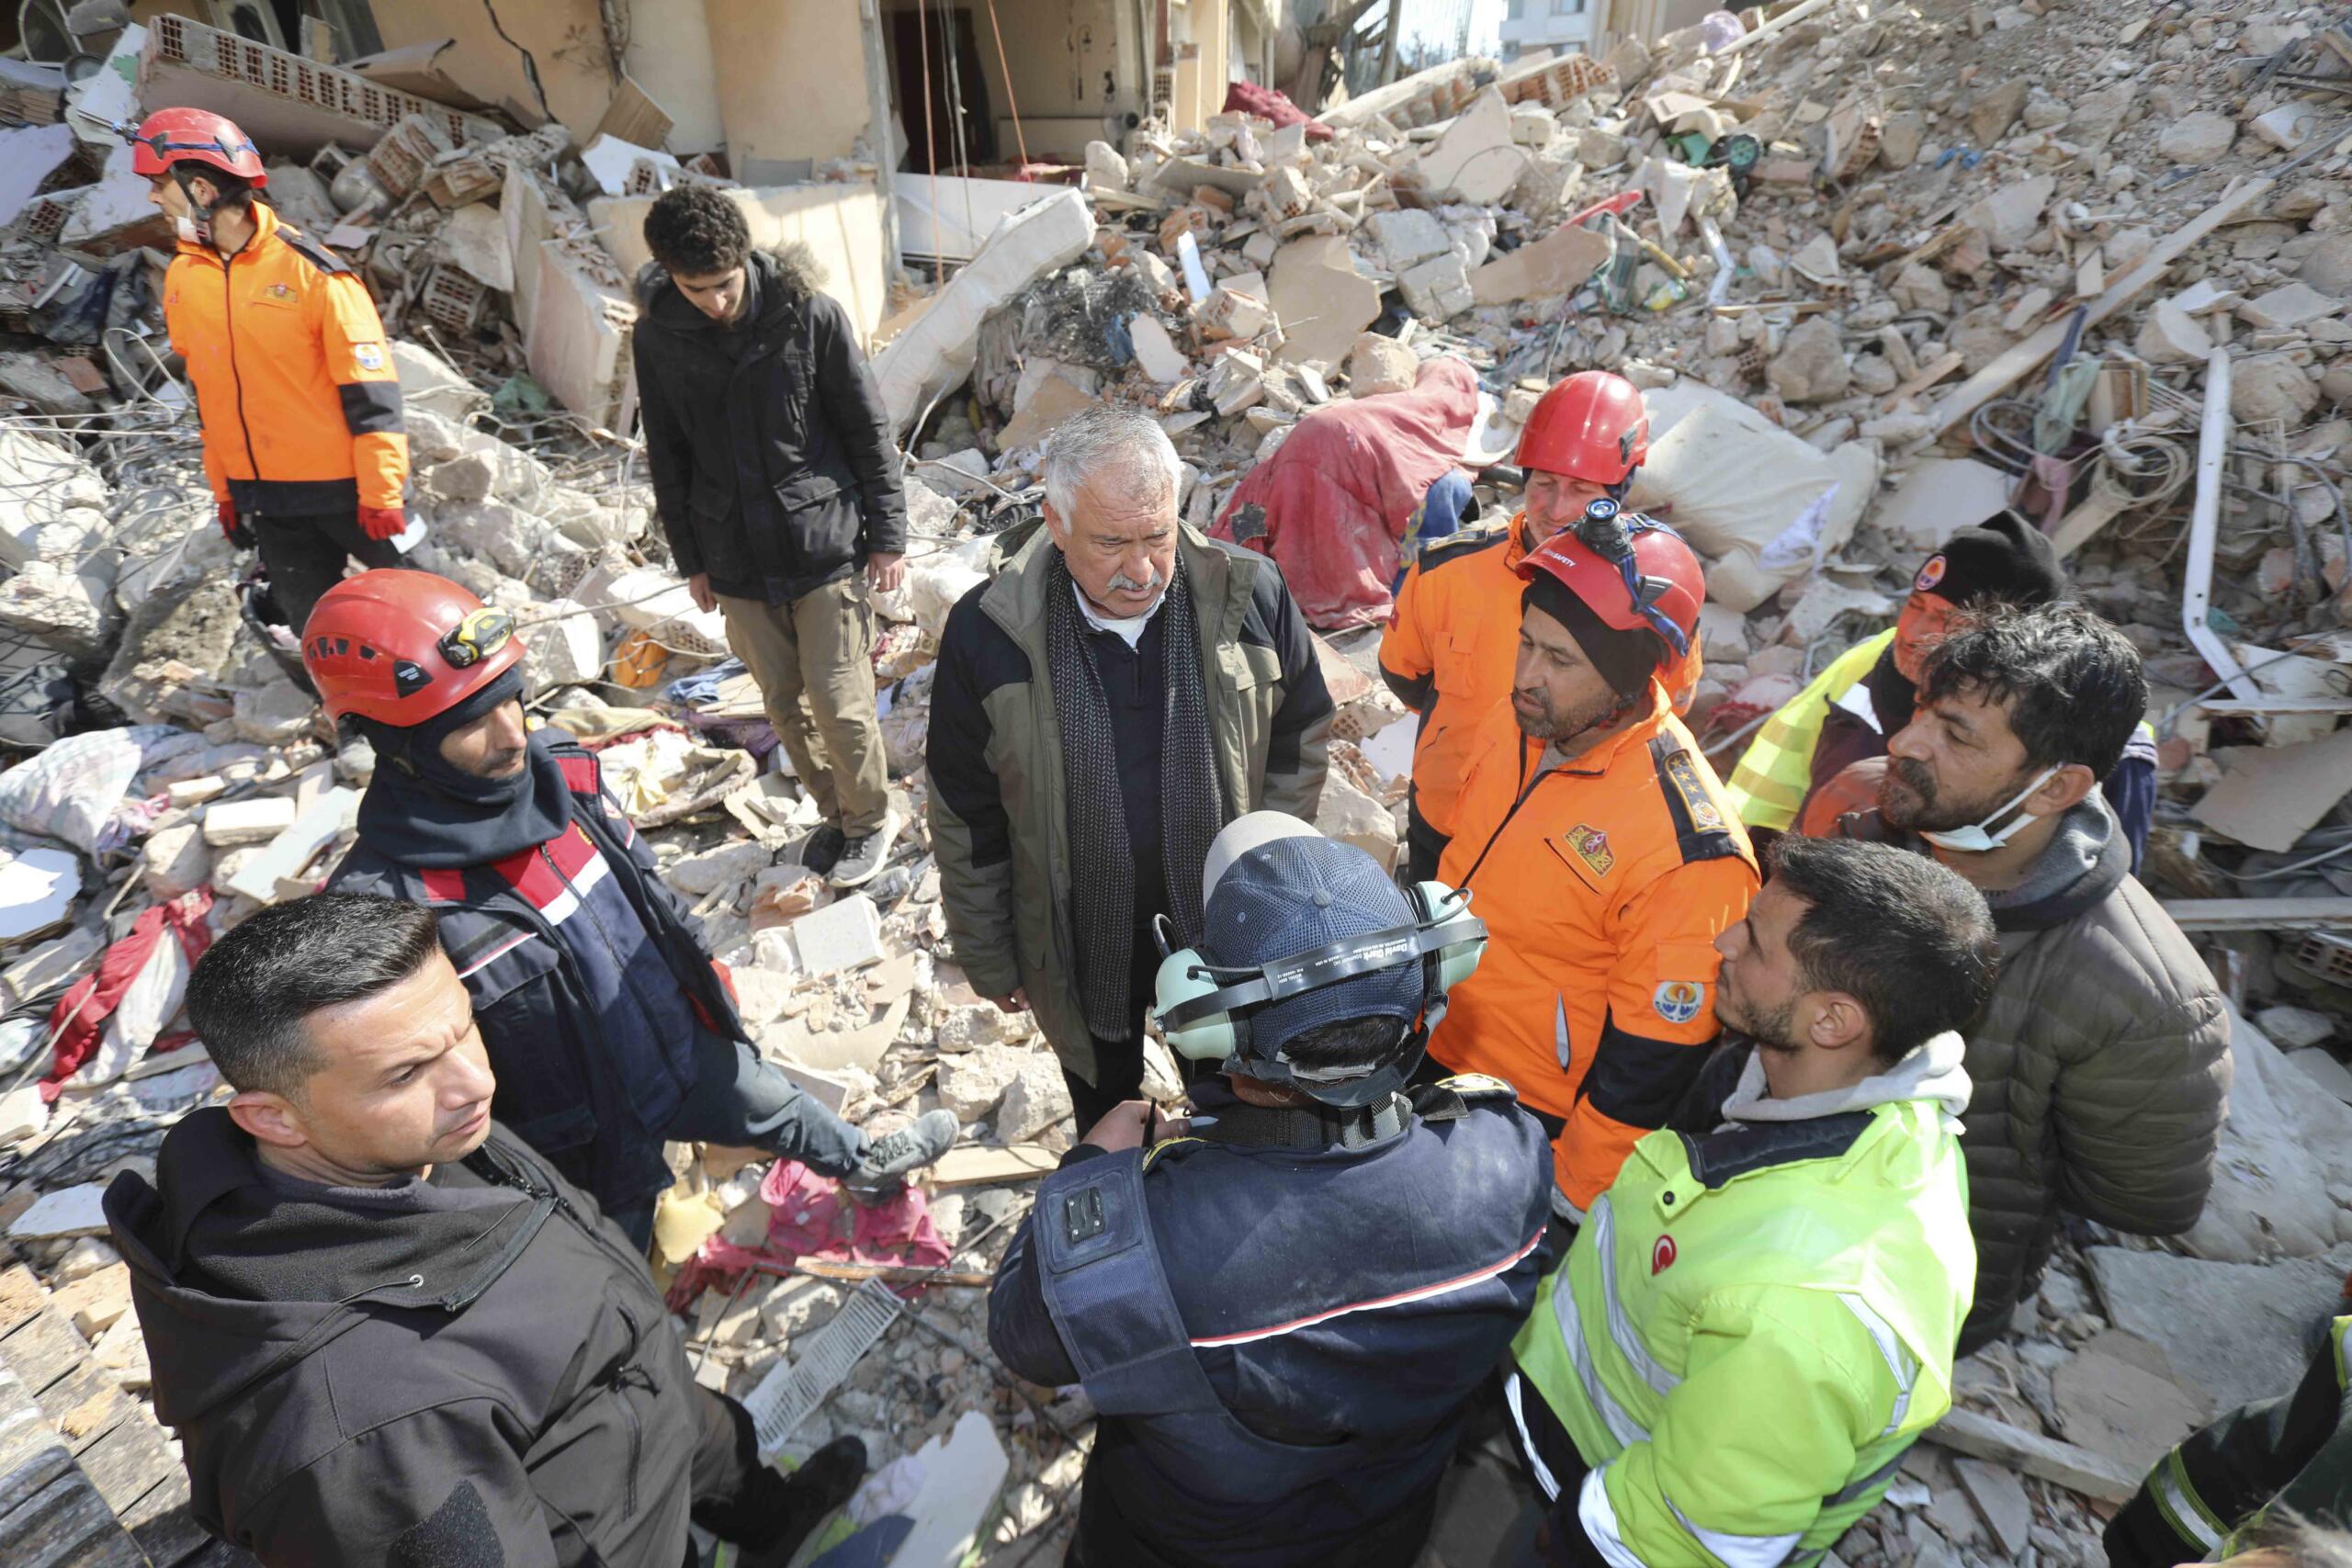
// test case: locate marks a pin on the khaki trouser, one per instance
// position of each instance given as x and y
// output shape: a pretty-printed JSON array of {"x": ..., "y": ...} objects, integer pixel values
[{"x": 814, "y": 661}]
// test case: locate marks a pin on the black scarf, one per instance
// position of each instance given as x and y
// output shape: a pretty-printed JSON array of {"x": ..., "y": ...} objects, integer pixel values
[
  {"x": 423, "y": 812},
  {"x": 1192, "y": 805},
  {"x": 1894, "y": 698}
]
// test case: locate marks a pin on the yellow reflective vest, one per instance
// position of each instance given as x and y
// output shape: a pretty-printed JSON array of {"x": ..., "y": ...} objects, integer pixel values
[
  {"x": 1776, "y": 771},
  {"x": 1755, "y": 1325}
]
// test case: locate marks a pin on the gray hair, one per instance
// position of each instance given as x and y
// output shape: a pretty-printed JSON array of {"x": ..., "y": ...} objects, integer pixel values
[
  {"x": 2297, "y": 1542},
  {"x": 1125, "y": 443}
]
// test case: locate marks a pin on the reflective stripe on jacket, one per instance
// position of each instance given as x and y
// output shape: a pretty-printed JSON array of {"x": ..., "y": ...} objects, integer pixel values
[
  {"x": 1776, "y": 772},
  {"x": 1752, "y": 1328},
  {"x": 1449, "y": 653},
  {"x": 1603, "y": 884},
  {"x": 294, "y": 382},
  {"x": 2293, "y": 1452}
]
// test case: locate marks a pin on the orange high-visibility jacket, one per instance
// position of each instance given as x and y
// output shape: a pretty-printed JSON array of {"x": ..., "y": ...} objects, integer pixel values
[
  {"x": 1603, "y": 882},
  {"x": 294, "y": 382},
  {"x": 1450, "y": 651}
]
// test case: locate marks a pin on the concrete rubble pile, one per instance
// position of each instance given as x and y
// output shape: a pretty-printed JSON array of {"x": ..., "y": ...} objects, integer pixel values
[{"x": 1840, "y": 256}]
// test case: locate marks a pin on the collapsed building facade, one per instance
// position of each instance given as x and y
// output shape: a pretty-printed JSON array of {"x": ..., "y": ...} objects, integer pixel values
[{"x": 1882, "y": 270}]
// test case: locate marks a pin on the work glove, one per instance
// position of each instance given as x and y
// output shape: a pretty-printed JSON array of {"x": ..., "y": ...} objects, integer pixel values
[
  {"x": 380, "y": 522},
  {"x": 232, "y": 529}
]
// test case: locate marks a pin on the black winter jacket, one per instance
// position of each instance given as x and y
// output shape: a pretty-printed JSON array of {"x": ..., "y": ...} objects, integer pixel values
[
  {"x": 775, "y": 472},
  {"x": 2101, "y": 1064},
  {"x": 474, "y": 1369},
  {"x": 593, "y": 1105}
]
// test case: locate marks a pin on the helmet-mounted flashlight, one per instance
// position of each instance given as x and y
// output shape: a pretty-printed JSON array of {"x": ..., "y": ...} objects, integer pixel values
[{"x": 482, "y": 633}]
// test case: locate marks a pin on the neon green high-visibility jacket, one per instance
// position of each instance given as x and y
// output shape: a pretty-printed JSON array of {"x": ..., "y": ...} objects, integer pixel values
[
  {"x": 1776, "y": 771},
  {"x": 1754, "y": 1325}
]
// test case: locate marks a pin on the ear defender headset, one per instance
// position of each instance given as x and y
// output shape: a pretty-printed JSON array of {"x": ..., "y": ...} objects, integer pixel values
[{"x": 1204, "y": 1008}]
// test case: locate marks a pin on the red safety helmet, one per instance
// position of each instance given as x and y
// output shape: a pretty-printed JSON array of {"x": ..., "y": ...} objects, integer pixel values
[
  {"x": 1591, "y": 426},
  {"x": 195, "y": 136},
  {"x": 1631, "y": 571},
  {"x": 401, "y": 646}
]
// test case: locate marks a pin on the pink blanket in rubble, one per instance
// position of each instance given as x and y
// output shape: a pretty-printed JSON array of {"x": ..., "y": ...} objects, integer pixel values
[{"x": 1332, "y": 502}]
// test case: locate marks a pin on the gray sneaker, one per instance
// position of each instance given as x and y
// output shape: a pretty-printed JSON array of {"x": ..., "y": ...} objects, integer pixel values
[
  {"x": 864, "y": 856},
  {"x": 889, "y": 1158}
]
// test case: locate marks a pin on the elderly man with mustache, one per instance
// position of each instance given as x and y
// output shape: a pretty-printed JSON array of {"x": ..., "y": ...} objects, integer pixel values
[{"x": 1118, "y": 693}]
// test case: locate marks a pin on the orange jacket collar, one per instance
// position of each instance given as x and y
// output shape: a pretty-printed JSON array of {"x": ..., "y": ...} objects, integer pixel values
[{"x": 266, "y": 223}]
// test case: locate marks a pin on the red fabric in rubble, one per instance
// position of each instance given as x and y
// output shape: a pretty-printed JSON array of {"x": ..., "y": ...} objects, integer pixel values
[
  {"x": 1332, "y": 502},
  {"x": 1273, "y": 103},
  {"x": 809, "y": 1216},
  {"x": 79, "y": 1020}
]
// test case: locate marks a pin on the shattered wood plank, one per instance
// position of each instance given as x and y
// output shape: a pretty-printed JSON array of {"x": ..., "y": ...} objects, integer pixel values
[
  {"x": 84, "y": 1404},
  {"x": 160, "y": 1522},
  {"x": 2077, "y": 1470},
  {"x": 1929, "y": 374},
  {"x": 127, "y": 1462},
  {"x": 67, "y": 1525},
  {"x": 20, "y": 1296},
  {"x": 975, "y": 1164},
  {"x": 43, "y": 1349},
  {"x": 2260, "y": 914},
  {"x": 2019, "y": 359},
  {"x": 889, "y": 1273}
]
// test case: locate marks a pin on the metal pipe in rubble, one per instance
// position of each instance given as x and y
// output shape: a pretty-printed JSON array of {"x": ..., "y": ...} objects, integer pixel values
[{"x": 2204, "y": 524}]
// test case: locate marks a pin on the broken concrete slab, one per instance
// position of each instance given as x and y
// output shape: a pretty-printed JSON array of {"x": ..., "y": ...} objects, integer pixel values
[
  {"x": 2198, "y": 138},
  {"x": 970, "y": 1083},
  {"x": 2288, "y": 305},
  {"x": 50, "y": 966},
  {"x": 579, "y": 325},
  {"x": 938, "y": 351},
  {"x": 257, "y": 821},
  {"x": 37, "y": 887},
  {"x": 2332, "y": 1076},
  {"x": 1408, "y": 237},
  {"x": 1996, "y": 109},
  {"x": 2111, "y": 1403},
  {"x": 296, "y": 846},
  {"x": 2270, "y": 796},
  {"x": 286, "y": 102},
  {"x": 2011, "y": 215},
  {"x": 1438, "y": 289},
  {"x": 28, "y": 154},
  {"x": 844, "y": 935},
  {"x": 2170, "y": 336},
  {"x": 1557, "y": 264},
  {"x": 1941, "y": 495},
  {"x": 1034, "y": 1100},
  {"x": 2236, "y": 1330},
  {"x": 1477, "y": 160},
  {"x": 1157, "y": 352},
  {"x": 1811, "y": 367},
  {"x": 66, "y": 1211},
  {"x": 2001, "y": 1500},
  {"x": 1322, "y": 300}
]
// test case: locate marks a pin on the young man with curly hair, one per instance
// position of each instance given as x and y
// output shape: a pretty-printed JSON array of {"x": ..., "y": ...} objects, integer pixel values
[{"x": 776, "y": 477}]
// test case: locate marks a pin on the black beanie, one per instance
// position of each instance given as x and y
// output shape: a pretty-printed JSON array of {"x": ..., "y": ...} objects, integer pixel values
[
  {"x": 1626, "y": 659},
  {"x": 2006, "y": 558}
]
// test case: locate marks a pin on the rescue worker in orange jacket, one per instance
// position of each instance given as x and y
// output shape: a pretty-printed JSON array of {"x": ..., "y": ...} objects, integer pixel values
[
  {"x": 1448, "y": 652},
  {"x": 303, "y": 442},
  {"x": 1594, "y": 840}
]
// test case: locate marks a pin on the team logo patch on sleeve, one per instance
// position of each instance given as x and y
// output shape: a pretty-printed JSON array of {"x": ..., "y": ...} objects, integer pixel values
[
  {"x": 1679, "y": 1001},
  {"x": 1931, "y": 571},
  {"x": 1591, "y": 846},
  {"x": 1683, "y": 774},
  {"x": 369, "y": 355}
]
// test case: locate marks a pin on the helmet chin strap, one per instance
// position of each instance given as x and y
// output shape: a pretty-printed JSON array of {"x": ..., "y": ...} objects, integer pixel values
[
  {"x": 196, "y": 226},
  {"x": 1975, "y": 839}
]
